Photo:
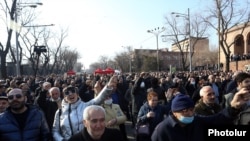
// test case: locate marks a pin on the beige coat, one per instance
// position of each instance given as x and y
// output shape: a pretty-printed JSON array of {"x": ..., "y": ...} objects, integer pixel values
[{"x": 114, "y": 111}]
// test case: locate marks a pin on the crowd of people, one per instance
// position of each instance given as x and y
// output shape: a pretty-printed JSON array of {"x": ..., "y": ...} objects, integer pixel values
[{"x": 87, "y": 107}]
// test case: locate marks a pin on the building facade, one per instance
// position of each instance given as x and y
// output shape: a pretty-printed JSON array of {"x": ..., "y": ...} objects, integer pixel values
[{"x": 239, "y": 39}]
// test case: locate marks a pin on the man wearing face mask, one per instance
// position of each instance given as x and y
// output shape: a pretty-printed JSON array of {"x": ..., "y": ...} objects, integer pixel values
[
  {"x": 114, "y": 115},
  {"x": 183, "y": 125}
]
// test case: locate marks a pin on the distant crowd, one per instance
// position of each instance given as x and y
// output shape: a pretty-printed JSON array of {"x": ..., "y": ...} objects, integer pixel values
[{"x": 161, "y": 105}]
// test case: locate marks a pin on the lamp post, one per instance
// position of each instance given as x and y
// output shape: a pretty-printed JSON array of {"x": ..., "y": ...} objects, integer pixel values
[
  {"x": 42, "y": 25},
  {"x": 156, "y": 32},
  {"x": 32, "y": 5},
  {"x": 187, "y": 17}
]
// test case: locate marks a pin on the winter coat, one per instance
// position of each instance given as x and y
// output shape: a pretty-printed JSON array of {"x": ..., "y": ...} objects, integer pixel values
[
  {"x": 159, "y": 111},
  {"x": 48, "y": 106},
  {"x": 202, "y": 109},
  {"x": 170, "y": 130},
  {"x": 108, "y": 135},
  {"x": 114, "y": 111},
  {"x": 35, "y": 129},
  {"x": 69, "y": 120}
]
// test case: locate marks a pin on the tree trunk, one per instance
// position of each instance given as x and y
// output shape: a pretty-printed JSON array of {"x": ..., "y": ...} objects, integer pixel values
[
  {"x": 3, "y": 65},
  {"x": 227, "y": 63}
]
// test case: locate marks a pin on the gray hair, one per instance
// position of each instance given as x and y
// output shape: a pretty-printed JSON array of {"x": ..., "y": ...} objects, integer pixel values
[
  {"x": 54, "y": 88},
  {"x": 46, "y": 83},
  {"x": 203, "y": 89},
  {"x": 92, "y": 108}
]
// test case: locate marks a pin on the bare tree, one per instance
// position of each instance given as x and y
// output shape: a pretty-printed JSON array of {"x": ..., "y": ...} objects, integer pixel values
[
  {"x": 55, "y": 51},
  {"x": 224, "y": 15},
  {"x": 14, "y": 11},
  {"x": 69, "y": 59},
  {"x": 122, "y": 60},
  {"x": 178, "y": 31},
  {"x": 9, "y": 10},
  {"x": 104, "y": 61}
]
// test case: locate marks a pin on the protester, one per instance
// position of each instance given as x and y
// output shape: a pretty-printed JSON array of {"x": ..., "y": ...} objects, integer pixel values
[
  {"x": 114, "y": 116},
  {"x": 21, "y": 122},
  {"x": 2, "y": 90},
  {"x": 243, "y": 83},
  {"x": 3, "y": 103},
  {"x": 68, "y": 120},
  {"x": 27, "y": 91},
  {"x": 86, "y": 91},
  {"x": 242, "y": 80},
  {"x": 216, "y": 88},
  {"x": 183, "y": 125},
  {"x": 139, "y": 94},
  {"x": 207, "y": 104},
  {"x": 94, "y": 127},
  {"x": 49, "y": 105},
  {"x": 150, "y": 113}
]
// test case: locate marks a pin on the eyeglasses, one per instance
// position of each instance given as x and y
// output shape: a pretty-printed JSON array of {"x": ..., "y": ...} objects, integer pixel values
[
  {"x": 18, "y": 96},
  {"x": 70, "y": 90}
]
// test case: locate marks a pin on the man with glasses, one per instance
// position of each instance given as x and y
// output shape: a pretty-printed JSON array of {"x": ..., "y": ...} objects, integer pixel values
[
  {"x": 183, "y": 125},
  {"x": 22, "y": 122}
]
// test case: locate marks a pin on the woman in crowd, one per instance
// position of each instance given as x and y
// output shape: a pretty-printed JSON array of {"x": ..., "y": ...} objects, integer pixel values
[
  {"x": 68, "y": 119},
  {"x": 114, "y": 115},
  {"x": 150, "y": 113}
]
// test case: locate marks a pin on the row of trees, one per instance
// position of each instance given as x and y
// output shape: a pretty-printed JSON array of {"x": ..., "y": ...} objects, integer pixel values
[
  {"x": 56, "y": 57},
  {"x": 221, "y": 16}
]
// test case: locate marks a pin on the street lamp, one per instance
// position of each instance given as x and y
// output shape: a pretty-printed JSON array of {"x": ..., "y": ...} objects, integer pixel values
[
  {"x": 156, "y": 32},
  {"x": 42, "y": 25},
  {"x": 187, "y": 17},
  {"x": 32, "y": 5}
]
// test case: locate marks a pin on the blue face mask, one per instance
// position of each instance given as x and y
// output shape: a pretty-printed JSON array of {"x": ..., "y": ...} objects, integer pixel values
[{"x": 186, "y": 120}]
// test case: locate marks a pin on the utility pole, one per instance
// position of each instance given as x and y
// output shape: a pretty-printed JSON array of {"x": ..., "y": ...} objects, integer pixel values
[
  {"x": 187, "y": 17},
  {"x": 32, "y": 5},
  {"x": 156, "y": 32}
]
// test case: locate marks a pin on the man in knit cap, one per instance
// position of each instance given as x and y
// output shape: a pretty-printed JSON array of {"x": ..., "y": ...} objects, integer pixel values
[{"x": 183, "y": 125}]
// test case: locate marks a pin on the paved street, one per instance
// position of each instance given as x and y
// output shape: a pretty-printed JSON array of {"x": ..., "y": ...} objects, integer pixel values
[{"x": 130, "y": 131}]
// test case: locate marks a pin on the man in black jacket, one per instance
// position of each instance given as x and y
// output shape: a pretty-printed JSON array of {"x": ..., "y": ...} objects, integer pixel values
[
  {"x": 183, "y": 125},
  {"x": 94, "y": 122}
]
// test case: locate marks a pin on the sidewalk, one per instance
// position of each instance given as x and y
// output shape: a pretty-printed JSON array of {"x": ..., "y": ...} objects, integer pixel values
[{"x": 130, "y": 131}]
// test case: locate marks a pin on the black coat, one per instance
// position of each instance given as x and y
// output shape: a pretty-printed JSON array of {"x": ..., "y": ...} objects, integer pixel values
[{"x": 108, "y": 135}]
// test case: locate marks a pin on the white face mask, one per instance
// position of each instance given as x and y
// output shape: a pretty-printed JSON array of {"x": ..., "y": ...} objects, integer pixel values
[
  {"x": 142, "y": 85},
  {"x": 108, "y": 101}
]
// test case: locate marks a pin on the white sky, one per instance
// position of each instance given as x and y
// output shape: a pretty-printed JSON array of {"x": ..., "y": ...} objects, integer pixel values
[{"x": 101, "y": 27}]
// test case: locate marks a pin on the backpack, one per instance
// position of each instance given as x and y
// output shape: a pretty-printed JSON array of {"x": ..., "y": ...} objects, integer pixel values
[{"x": 244, "y": 117}]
